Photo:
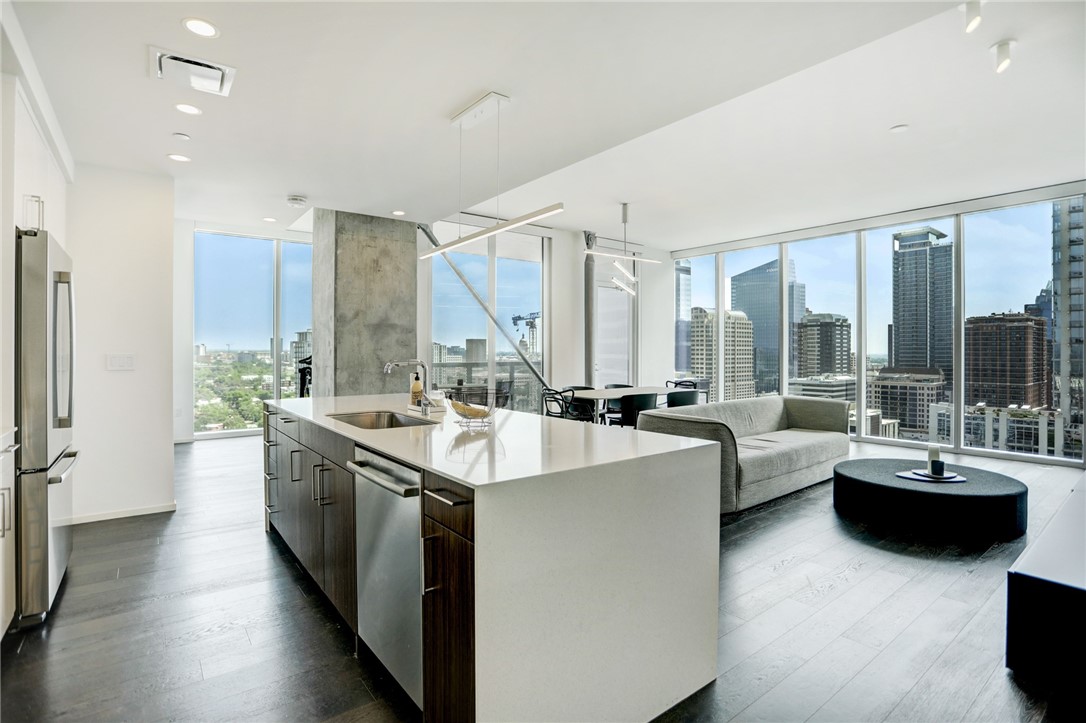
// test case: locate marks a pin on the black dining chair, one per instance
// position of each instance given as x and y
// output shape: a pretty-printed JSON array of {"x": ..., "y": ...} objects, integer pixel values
[
  {"x": 555, "y": 404},
  {"x": 583, "y": 410},
  {"x": 684, "y": 398},
  {"x": 612, "y": 409},
  {"x": 632, "y": 405},
  {"x": 682, "y": 383}
]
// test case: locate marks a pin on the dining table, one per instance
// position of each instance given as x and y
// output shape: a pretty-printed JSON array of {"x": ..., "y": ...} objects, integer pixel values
[{"x": 601, "y": 396}]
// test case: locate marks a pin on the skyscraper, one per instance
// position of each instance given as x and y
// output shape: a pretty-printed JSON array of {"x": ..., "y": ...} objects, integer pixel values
[
  {"x": 682, "y": 315},
  {"x": 825, "y": 345},
  {"x": 1006, "y": 360},
  {"x": 905, "y": 396},
  {"x": 703, "y": 347},
  {"x": 1067, "y": 301},
  {"x": 923, "y": 302},
  {"x": 756, "y": 293},
  {"x": 737, "y": 356}
]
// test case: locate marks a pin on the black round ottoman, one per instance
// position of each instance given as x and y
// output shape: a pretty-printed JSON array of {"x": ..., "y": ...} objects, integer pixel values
[{"x": 988, "y": 506}]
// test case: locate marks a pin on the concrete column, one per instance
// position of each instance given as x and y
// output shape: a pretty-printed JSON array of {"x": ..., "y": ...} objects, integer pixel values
[
  {"x": 1002, "y": 429},
  {"x": 364, "y": 302}
]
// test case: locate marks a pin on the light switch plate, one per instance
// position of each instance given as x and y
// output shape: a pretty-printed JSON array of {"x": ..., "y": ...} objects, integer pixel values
[{"x": 120, "y": 362}]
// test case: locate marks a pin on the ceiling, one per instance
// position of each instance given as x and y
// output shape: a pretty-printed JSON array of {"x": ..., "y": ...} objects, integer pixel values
[{"x": 716, "y": 121}]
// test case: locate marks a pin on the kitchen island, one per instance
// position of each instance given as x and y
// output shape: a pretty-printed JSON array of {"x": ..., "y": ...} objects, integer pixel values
[{"x": 570, "y": 570}]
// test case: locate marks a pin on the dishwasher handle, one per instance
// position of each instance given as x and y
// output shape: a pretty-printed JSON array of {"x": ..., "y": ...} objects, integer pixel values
[{"x": 385, "y": 481}]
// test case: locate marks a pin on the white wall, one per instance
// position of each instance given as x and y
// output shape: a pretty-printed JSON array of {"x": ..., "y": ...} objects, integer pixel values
[
  {"x": 120, "y": 228},
  {"x": 566, "y": 313},
  {"x": 656, "y": 335},
  {"x": 7, "y": 253},
  {"x": 183, "y": 269}
]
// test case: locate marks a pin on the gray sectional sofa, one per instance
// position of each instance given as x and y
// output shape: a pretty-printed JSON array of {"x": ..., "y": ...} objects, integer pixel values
[{"x": 769, "y": 446}]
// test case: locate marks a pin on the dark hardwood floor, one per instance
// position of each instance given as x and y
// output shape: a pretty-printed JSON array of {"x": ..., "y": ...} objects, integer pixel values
[
  {"x": 193, "y": 615},
  {"x": 199, "y": 615},
  {"x": 824, "y": 620}
]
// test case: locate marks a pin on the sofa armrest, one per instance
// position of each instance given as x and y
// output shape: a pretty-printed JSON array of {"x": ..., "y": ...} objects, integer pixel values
[
  {"x": 830, "y": 415},
  {"x": 713, "y": 430}
]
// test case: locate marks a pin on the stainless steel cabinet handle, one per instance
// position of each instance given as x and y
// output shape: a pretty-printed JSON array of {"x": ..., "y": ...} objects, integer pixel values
[
  {"x": 384, "y": 481},
  {"x": 269, "y": 413},
  {"x": 271, "y": 444},
  {"x": 268, "y": 479},
  {"x": 321, "y": 499},
  {"x": 447, "y": 497},
  {"x": 422, "y": 568},
  {"x": 289, "y": 421},
  {"x": 4, "y": 513},
  {"x": 63, "y": 476},
  {"x": 313, "y": 483},
  {"x": 10, "y": 449},
  {"x": 292, "y": 453}
]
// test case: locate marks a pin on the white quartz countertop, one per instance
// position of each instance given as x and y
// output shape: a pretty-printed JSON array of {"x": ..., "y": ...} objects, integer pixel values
[{"x": 516, "y": 444}]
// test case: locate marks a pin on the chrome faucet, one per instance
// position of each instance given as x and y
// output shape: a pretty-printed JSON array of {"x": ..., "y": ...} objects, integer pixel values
[{"x": 425, "y": 403}]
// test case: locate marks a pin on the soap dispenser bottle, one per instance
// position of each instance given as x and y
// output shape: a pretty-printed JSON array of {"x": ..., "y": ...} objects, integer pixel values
[{"x": 416, "y": 391}]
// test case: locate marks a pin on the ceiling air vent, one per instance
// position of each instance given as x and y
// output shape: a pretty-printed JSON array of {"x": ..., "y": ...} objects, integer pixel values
[{"x": 202, "y": 75}]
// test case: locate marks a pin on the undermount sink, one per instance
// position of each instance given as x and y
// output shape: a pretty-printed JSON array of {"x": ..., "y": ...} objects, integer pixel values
[{"x": 381, "y": 420}]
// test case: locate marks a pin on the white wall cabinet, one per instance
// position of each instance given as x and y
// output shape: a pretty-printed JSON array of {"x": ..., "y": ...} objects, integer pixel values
[
  {"x": 37, "y": 175},
  {"x": 7, "y": 530}
]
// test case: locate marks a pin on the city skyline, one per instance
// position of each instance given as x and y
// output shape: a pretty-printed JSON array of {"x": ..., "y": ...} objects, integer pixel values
[{"x": 999, "y": 240}]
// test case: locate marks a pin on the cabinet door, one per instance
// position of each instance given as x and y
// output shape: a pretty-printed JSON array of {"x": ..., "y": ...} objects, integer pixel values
[
  {"x": 336, "y": 491},
  {"x": 288, "y": 462},
  {"x": 310, "y": 522},
  {"x": 448, "y": 625},
  {"x": 7, "y": 538}
]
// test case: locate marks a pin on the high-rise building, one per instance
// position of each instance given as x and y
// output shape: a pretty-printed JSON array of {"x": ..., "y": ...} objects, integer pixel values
[
  {"x": 476, "y": 350},
  {"x": 1042, "y": 307},
  {"x": 1067, "y": 315},
  {"x": 905, "y": 395},
  {"x": 827, "y": 386},
  {"x": 756, "y": 293},
  {"x": 1006, "y": 360},
  {"x": 923, "y": 302},
  {"x": 703, "y": 347},
  {"x": 682, "y": 315},
  {"x": 301, "y": 346},
  {"x": 439, "y": 357},
  {"x": 825, "y": 345},
  {"x": 737, "y": 356}
]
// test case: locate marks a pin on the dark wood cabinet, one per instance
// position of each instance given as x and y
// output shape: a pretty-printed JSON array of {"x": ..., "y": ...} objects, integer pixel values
[
  {"x": 336, "y": 495},
  {"x": 448, "y": 624},
  {"x": 448, "y": 601},
  {"x": 314, "y": 506}
]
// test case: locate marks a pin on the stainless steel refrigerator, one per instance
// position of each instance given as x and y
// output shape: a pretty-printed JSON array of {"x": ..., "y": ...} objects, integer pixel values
[{"x": 44, "y": 369}]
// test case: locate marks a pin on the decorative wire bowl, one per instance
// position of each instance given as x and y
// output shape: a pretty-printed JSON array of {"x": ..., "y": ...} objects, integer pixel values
[{"x": 473, "y": 407}]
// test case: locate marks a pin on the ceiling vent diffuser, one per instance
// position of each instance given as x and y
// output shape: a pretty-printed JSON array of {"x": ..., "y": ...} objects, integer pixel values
[{"x": 194, "y": 73}]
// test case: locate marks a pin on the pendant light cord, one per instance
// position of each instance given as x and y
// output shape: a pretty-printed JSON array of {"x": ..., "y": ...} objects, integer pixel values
[{"x": 460, "y": 188}]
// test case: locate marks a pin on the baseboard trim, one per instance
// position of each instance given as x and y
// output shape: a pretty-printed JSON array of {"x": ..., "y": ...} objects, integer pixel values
[{"x": 117, "y": 514}]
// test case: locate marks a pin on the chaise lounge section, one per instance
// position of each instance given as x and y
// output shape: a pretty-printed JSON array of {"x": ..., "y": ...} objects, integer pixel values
[{"x": 769, "y": 446}]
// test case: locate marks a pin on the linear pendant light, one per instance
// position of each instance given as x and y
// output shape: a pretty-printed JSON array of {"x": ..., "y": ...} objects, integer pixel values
[
  {"x": 497, "y": 228},
  {"x": 480, "y": 110},
  {"x": 624, "y": 254},
  {"x": 623, "y": 286}
]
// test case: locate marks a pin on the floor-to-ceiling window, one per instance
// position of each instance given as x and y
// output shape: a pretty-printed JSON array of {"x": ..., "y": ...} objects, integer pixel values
[
  {"x": 614, "y": 333},
  {"x": 753, "y": 296},
  {"x": 239, "y": 355},
  {"x": 821, "y": 341},
  {"x": 467, "y": 349},
  {"x": 698, "y": 328},
  {"x": 910, "y": 330},
  {"x": 964, "y": 327},
  {"x": 1023, "y": 329}
]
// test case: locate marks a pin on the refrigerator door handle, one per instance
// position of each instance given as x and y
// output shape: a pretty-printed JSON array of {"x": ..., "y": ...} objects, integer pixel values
[{"x": 73, "y": 457}]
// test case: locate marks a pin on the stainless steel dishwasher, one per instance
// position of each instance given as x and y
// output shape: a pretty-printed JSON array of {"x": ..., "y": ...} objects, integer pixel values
[{"x": 388, "y": 538}]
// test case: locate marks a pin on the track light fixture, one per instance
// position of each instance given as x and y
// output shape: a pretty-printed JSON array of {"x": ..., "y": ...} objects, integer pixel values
[
  {"x": 972, "y": 15},
  {"x": 1002, "y": 52}
]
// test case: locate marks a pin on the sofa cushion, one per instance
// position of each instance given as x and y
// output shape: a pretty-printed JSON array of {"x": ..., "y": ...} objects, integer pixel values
[
  {"x": 744, "y": 417},
  {"x": 763, "y": 456}
]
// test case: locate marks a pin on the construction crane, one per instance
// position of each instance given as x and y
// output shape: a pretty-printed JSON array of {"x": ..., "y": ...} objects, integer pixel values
[{"x": 529, "y": 321}]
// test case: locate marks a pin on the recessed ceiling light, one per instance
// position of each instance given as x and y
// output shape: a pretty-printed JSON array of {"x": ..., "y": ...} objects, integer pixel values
[
  {"x": 179, "y": 157},
  {"x": 182, "y": 136},
  {"x": 201, "y": 27},
  {"x": 189, "y": 109},
  {"x": 899, "y": 128},
  {"x": 398, "y": 213},
  {"x": 269, "y": 219}
]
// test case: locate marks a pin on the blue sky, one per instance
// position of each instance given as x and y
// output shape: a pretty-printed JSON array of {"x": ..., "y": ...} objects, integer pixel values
[
  {"x": 234, "y": 284},
  {"x": 1008, "y": 260},
  {"x": 456, "y": 315}
]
